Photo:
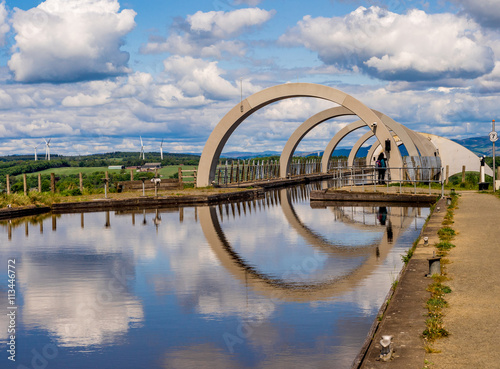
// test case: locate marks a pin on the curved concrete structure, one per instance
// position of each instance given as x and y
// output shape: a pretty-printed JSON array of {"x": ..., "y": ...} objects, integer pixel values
[
  {"x": 302, "y": 130},
  {"x": 356, "y": 147},
  {"x": 297, "y": 136},
  {"x": 227, "y": 125},
  {"x": 330, "y": 148},
  {"x": 455, "y": 155}
]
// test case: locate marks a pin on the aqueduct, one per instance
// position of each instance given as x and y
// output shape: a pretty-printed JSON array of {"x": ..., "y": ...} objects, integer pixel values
[{"x": 387, "y": 132}]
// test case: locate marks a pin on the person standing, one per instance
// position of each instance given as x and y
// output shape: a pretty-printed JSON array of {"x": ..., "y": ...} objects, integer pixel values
[{"x": 381, "y": 167}]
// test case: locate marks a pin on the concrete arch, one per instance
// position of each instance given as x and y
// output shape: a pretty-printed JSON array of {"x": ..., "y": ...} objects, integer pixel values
[
  {"x": 356, "y": 147},
  {"x": 309, "y": 124},
  {"x": 361, "y": 141},
  {"x": 330, "y": 148},
  {"x": 302, "y": 130},
  {"x": 221, "y": 133}
]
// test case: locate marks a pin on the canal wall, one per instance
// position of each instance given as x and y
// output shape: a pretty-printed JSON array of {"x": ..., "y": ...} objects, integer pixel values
[
  {"x": 402, "y": 315},
  {"x": 131, "y": 203},
  {"x": 11, "y": 213},
  {"x": 383, "y": 197}
]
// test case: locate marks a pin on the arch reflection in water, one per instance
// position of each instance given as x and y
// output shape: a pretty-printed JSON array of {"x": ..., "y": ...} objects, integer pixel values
[
  {"x": 189, "y": 295},
  {"x": 286, "y": 286}
]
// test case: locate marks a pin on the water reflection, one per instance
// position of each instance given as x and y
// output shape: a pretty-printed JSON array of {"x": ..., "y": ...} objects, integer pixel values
[{"x": 263, "y": 283}]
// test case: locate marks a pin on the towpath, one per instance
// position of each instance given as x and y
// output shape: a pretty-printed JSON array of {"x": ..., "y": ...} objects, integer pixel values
[{"x": 473, "y": 315}]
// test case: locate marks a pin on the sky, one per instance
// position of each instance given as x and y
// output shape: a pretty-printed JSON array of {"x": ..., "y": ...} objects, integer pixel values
[{"x": 95, "y": 75}]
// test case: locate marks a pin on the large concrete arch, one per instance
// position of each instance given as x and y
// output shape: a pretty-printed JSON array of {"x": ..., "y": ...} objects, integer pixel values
[
  {"x": 221, "y": 133},
  {"x": 330, "y": 148},
  {"x": 405, "y": 135},
  {"x": 302, "y": 130}
]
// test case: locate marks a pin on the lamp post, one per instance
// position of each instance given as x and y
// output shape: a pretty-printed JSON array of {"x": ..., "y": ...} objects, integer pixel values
[{"x": 493, "y": 139}]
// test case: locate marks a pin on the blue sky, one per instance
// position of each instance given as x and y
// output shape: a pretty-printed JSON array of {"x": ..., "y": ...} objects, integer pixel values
[{"x": 94, "y": 75}]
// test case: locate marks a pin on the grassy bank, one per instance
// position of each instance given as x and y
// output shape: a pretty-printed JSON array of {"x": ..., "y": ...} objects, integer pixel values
[{"x": 49, "y": 198}]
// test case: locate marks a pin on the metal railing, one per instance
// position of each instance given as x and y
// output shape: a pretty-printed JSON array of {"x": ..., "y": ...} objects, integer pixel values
[{"x": 372, "y": 176}]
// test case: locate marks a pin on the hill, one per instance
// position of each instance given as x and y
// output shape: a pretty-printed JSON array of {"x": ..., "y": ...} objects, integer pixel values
[{"x": 478, "y": 145}]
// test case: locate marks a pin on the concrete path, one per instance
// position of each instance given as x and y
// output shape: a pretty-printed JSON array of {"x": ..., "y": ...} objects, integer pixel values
[{"x": 473, "y": 317}]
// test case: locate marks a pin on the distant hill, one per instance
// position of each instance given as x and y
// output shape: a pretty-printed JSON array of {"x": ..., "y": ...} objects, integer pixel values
[
  {"x": 340, "y": 151},
  {"x": 478, "y": 145}
]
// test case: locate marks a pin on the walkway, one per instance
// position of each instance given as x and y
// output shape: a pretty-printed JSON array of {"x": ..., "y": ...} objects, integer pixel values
[{"x": 473, "y": 318}]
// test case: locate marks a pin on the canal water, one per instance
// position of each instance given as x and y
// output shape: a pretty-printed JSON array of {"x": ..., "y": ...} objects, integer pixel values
[{"x": 270, "y": 283}]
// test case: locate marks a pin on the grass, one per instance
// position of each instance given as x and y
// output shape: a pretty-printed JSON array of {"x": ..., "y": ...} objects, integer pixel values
[
  {"x": 436, "y": 303},
  {"x": 166, "y": 171},
  {"x": 48, "y": 198},
  {"x": 446, "y": 234}
]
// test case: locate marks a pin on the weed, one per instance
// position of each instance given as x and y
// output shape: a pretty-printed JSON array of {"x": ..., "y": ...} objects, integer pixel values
[
  {"x": 395, "y": 284},
  {"x": 444, "y": 246},
  {"x": 406, "y": 257},
  {"x": 446, "y": 234}
]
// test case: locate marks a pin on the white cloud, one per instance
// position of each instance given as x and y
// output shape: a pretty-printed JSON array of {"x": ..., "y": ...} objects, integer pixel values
[
  {"x": 412, "y": 46},
  {"x": 70, "y": 40},
  {"x": 209, "y": 34},
  {"x": 199, "y": 77},
  {"x": 227, "y": 24}
]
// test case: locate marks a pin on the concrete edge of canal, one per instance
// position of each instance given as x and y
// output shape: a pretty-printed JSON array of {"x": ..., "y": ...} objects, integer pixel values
[
  {"x": 402, "y": 314},
  {"x": 132, "y": 203}
]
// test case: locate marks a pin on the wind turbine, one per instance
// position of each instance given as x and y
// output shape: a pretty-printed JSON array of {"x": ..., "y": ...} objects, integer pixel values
[
  {"x": 34, "y": 147},
  {"x": 47, "y": 149},
  {"x": 161, "y": 149},
  {"x": 142, "y": 150}
]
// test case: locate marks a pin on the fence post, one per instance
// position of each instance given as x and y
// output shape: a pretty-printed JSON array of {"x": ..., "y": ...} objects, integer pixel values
[
  {"x": 180, "y": 177},
  {"x": 447, "y": 173},
  {"x": 131, "y": 175},
  {"x": 7, "y": 179},
  {"x": 463, "y": 173},
  {"x": 195, "y": 176},
  {"x": 81, "y": 181},
  {"x": 53, "y": 182},
  {"x": 25, "y": 184},
  {"x": 40, "y": 182}
]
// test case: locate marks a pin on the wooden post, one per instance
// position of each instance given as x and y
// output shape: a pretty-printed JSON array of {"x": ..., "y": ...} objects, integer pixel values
[
  {"x": 463, "y": 173},
  {"x": 106, "y": 175},
  {"x": 25, "y": 184},
  {"x": 40, "y": 182},
  {"x": 7, "y": 179},
  {"x": 195, "y": 176},
  {"x": 53, "y": 182},
  {"x": 238, "y": 172},
  {"x": 231, "y": 173},
  {"x": 131, "y": 175},
  {"x": 81, "y": 181},
  {"x": 180, "y": 177},
  {"x": 447, "y": 173}
]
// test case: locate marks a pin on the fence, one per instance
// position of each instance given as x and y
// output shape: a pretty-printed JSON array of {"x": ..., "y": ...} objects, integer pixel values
[
  {"x": 370, "y": 175},
  {"x": 75, "y": 184},
  {"x": 259, "y": 170},
  {"x": 182, "y": 177}
]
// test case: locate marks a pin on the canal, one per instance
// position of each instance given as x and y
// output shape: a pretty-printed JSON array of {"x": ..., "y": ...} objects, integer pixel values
[{"x": 269, "y": 283}]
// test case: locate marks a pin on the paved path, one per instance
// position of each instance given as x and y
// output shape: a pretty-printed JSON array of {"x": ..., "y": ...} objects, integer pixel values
[{"x": 473, "y": 317}]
